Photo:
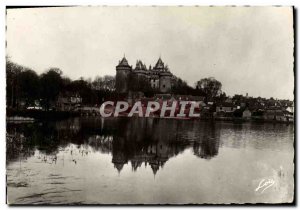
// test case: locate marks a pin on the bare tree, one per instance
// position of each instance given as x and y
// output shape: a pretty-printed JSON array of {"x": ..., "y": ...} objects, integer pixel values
[{"x": 104, "y": 83}]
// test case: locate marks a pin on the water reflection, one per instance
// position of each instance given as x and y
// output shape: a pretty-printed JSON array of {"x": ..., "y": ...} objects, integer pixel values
[
  {"x": 144, "y": 160},
  {"x": 136, "y": 141}
]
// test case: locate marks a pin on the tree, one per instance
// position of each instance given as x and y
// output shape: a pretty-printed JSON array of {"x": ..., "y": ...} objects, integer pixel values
[
  {"x": 51, "y": 85},
  {"x": 97, "y": 84},
  {"x": 66, "y": 81},
  {"x": 84, "y": 89},
  {"x": 13, "y": 71},
  {"x": 109, "y": 82},
  {"x": 210, "y": 87},
  {"x": 104, "y": 83},
  {"x": 29, "y": 86},
  {"x": 181, "y": 87}
]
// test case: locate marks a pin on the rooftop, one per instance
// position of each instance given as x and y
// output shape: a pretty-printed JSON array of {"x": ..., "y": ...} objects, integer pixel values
[{"x": 123, "y": 62}]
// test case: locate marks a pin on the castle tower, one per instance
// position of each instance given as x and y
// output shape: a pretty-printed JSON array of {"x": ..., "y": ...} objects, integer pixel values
[
  {"x": 123, "y": 72},
  {"x": 140, "y": 70},
  {"x": 165, "y": 76}
]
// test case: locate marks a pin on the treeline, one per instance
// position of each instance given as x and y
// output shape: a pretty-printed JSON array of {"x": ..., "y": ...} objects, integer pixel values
[
  {"x": 209, "y": 88},
  {"x": 24, "y": 87}
]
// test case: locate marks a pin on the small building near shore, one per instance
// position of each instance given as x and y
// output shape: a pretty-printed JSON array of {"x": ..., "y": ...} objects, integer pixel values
[
  {"x": 225, "y": 107},
  {"x": 290, "y": 109},
  {"x": 289, "y": 116},
  {"x": 68, "y": 101},
  {"x": 274, "y": 114},
  {"x": 247, "y": 114}
]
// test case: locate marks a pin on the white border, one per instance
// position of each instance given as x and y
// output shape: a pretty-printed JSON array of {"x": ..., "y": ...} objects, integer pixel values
[{"x": 4, "y": 3}]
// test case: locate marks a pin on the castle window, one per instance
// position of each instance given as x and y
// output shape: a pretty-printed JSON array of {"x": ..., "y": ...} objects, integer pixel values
[{"x": 164, "y": 86}]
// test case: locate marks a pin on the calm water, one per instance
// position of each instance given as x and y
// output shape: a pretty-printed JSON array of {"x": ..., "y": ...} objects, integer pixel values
[{"x": 138, "y": 160}]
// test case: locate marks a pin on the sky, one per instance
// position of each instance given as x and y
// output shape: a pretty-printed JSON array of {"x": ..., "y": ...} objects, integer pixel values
[{"x": 248, "y": 49}]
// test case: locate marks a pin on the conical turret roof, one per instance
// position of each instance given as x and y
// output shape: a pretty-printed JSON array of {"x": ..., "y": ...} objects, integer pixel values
[
  {"x": 123, "y": 62},
  {"x": 159, "y": 64}
]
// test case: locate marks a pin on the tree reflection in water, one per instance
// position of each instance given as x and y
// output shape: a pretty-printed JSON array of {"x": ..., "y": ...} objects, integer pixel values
[{"x": 138, "y": 141}]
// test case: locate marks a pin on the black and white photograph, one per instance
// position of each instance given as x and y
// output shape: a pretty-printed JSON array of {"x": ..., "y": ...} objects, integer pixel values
[{"x": 150, "y": 105}]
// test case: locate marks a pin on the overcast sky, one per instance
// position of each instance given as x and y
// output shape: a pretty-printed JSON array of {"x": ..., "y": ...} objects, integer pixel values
[{"x": 248, "y": 49}]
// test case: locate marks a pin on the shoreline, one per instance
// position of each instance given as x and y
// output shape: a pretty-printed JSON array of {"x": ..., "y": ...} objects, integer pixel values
[{"x": 38, "y": 115}]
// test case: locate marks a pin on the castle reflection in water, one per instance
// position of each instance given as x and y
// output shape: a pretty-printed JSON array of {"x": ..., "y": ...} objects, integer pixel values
[{"x": 136, "y": 141}]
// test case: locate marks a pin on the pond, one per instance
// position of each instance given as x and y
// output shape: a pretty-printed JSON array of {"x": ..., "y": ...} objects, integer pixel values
[{"x": 149, "y": 161}]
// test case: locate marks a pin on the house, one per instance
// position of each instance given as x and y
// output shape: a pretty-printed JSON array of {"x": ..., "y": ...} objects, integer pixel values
[
  {"x": 68, "y": 101},
  {"x": 225, "y": 107},
  {"x": 247, "y": 114},
  {"x": 290, "y": 109},
  {"x": 289, "y": 116},
  {"x": 225, "y": 110},
  {"x": 202, "y": 104},
  {"x": 275, "y": 114}
]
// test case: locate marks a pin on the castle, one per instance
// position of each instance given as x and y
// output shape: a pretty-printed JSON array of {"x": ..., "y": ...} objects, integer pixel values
[{"x": 159, "y": 77}]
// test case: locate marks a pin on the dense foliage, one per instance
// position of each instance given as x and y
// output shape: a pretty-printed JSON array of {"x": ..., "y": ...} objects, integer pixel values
[{"x": 25, "y": 87}]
